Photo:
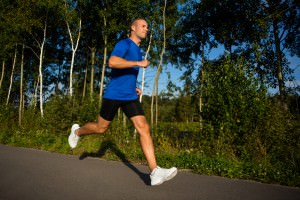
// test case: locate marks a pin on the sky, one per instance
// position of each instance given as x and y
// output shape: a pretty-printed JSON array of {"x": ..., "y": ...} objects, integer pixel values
[{"x": 215, "y": 53}]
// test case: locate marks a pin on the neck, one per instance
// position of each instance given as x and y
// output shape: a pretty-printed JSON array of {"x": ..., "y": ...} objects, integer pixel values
[{"x": 136, "y": 40}]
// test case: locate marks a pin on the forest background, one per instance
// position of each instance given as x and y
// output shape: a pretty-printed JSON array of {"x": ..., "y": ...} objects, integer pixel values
[{"x": 218, "y": 119}]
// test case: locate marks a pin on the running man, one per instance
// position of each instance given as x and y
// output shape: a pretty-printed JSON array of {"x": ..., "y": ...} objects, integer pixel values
[{"x": 125, "y": 62}]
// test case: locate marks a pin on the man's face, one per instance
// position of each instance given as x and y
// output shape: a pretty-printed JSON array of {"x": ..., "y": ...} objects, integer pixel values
[{"x": 140, "y": 28}]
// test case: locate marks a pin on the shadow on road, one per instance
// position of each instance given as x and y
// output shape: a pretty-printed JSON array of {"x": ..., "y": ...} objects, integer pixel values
[{"x": 110, "y": 145}]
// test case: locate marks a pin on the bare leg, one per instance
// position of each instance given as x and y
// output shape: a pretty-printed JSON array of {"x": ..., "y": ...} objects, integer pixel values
[
  {"x": 142, "y": 126},
  {"x": 93, "y": 127}
]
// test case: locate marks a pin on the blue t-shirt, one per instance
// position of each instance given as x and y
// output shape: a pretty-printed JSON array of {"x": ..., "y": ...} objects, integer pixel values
[{"x": 123, "y": 81}]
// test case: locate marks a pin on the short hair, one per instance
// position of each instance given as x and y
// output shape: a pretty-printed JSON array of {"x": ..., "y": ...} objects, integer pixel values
[{"x": 134, "y": 21}]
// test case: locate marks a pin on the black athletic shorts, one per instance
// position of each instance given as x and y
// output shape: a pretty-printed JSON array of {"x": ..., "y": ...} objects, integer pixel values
[{"x": 110, "y": 107}]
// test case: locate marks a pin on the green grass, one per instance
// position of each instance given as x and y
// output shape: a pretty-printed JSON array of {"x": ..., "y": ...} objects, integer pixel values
[
  {"x": 123, "y": 147},
  {"x": 265, "y": 151}
]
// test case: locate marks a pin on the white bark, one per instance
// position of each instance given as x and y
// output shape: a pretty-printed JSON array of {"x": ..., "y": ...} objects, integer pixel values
[
  {"x": 41, "y": 69},
  {"x": 104, "y": 62},
  {"x": 93, "y": 49},
  {"x": 103, "y": 71},
  {"x": 74, "y": 49},
  {"x": 11, "y": 76}
]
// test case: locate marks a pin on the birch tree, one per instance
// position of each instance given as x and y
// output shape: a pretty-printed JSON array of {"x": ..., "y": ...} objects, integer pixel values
[
  {"x": 158, "y": 71},
  {"x": 21, "y": 87},
  {"x": 85, "y": 78},
  {"x": 12, "y": 75},
  {"x": 95, "y": 17},
  {"x": 39, "y": 35},
  {"x": 93, "y": 51},
  {"x": 74, "y": 45},
  {"x": 104, "y": 59},
  {"x": 41, "y": 55}
]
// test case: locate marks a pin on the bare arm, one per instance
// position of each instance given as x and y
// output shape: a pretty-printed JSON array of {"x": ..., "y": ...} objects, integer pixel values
[{"x": 120, "y": 63}]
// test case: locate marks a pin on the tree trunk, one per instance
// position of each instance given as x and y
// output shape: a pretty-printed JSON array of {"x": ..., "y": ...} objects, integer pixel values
[
  {"x": 156, "y": 102},
  {"x": 71, "y": 74},
  {"x": 84, "y": 82},
  {"x": 124, "y": 121},
  {"x": 152, "y": 106},
  {"x": 21, "y": 87},
  {"x": 104, "y": 62},
  {"x": 41, "y": 71},
  {"x": 92, "y": 72},
  {"x": 202, "y": 84},
  {"x": 74, "y": 49},
  {"x": 279, "y": 62},
  {"x": 35, "y": 93},
  {"x": 2, "y": 73},
  {"x": 159, "y": 69},
  {"x": 85, "y": 75},
  {"x": 103, "y": 71},
  {"x": 122, "y": 118},
  {"x": 11, "y": 76}
]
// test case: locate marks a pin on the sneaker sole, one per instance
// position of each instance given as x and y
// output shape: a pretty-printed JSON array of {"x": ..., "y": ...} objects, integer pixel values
[{"x": 172, "y": 175}]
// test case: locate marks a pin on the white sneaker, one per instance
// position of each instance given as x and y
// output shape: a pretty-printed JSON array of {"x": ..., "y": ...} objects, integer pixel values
[
  {"x": 73, "y": 138},
  {"x": 160, "y": 175}
]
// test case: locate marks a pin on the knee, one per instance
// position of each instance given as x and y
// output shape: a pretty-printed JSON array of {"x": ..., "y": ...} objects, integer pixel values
[
  {"x": 102, "y": 125},
  {"x": 143, "y": 128}
]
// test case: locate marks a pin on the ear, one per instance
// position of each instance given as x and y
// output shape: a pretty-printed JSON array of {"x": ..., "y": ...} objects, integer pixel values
[{"x": 132, "y": 27}]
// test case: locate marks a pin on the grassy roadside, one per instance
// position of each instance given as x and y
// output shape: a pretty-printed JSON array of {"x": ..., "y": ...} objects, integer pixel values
[{"x": 115, "y": 145}]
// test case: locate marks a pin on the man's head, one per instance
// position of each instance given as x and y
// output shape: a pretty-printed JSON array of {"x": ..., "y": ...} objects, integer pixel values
[{"x": 139, "y": 29}]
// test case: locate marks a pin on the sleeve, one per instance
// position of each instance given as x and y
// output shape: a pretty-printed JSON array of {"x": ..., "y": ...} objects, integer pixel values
[{"x": 120, "y": 49}]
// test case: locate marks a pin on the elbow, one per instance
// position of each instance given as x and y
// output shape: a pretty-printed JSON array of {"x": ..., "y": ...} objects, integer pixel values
[{"x": 110, "y": 63}]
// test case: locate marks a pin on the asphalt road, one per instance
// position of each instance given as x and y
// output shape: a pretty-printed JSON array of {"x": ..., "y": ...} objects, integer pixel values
[{"x": 33, "y": 174}]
